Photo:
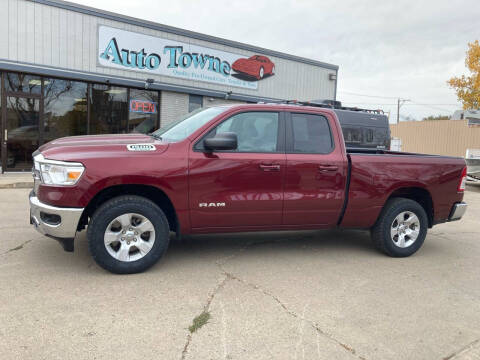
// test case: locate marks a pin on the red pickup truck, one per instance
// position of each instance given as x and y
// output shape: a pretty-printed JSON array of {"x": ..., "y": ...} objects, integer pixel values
[{"x": 237, "y": 168}]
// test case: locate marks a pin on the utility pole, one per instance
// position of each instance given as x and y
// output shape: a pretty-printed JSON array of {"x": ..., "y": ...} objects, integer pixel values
[{"x": 400, "y": 102}]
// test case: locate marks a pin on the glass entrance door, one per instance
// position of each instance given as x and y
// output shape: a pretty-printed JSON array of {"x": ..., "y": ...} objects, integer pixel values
[{"x": 22, "y": 132}]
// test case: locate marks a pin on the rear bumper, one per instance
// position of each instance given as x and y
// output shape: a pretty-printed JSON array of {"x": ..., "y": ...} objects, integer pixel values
[
  {"x": 56, "y": 222},
  {"x": 458, "y": 210}
]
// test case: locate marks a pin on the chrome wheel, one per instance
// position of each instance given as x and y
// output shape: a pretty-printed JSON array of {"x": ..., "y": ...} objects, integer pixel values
[
  {"x": 129, "y": 237},
  {"x": 405, "y": 229}
]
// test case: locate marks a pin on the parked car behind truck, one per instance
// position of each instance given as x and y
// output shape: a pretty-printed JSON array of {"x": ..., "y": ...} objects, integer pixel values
[{"x": 233, "y": 169}]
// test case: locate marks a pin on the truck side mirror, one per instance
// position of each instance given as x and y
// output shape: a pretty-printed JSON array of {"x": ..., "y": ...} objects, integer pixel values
[{"x": 221, "y": 141}]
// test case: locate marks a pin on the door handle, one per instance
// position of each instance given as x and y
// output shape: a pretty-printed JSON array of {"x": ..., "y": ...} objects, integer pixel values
[
  {"x": 270, "y": 167},
  {"x": 325, "y": 168},
  {"x": 6, "y": 135}
]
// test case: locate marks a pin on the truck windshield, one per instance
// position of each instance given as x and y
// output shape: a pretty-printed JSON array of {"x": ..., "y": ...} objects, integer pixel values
[{"x": 187, "y": 125}]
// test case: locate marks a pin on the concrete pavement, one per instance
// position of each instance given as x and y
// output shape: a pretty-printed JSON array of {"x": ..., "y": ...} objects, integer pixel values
[
  {"x": 23, "y": 180},
  {"x": 307, "y": 295}
]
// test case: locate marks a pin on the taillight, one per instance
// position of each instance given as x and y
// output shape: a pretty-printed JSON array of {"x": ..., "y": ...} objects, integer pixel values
[{"x": 463, "y": 180}]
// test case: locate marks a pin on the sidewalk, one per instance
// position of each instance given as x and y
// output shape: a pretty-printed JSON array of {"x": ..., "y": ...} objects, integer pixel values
[{"x": 16, "y": 180}]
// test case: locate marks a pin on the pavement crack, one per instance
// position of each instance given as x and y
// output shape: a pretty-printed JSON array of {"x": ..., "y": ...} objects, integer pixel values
[
  {"x": 290, "y": 312},
  {"x": 206, "y": 310},
  {"x": 16, "y": 248},
  {"x": 231, "y": 276},
  {"x": 226, "y": 259},
  {"x": 463, "y": 350}
]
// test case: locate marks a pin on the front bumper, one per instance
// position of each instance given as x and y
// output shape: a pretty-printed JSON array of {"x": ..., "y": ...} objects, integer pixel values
[
  {"x": 458, "y": 210},
  {"x": 56, "y": 222}
]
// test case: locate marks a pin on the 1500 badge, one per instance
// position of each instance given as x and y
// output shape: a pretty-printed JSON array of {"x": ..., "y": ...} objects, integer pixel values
[{"x": 141, "y": 147}]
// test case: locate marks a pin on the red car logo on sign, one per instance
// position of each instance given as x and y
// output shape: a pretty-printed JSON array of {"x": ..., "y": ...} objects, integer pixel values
[{"x": 256, "y": 67}]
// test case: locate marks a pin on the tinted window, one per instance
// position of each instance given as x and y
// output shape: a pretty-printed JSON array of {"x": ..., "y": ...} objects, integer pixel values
[
  {"x": 194, "y": 102},
  {"x": 311, "y": 134},
  {"x": 65, "y": 108},
  {"x": 23, "y": 83},
  {"x": 352, "y": 135},
  {"x": 256, "y": 131},
  {"x": 109, "y": 110},
  {"x": 143, "y": 111},
  {"x": 369, "y": 135}
]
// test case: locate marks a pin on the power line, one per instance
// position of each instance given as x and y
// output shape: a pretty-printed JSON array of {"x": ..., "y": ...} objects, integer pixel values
[
  {"x": 363, "y": 103},
  {"x": 371, "y": 96},
  {"x": 431, "y": 107},
  {"x": 389, "y": 97},
  {"x": 400, "y": 102}
]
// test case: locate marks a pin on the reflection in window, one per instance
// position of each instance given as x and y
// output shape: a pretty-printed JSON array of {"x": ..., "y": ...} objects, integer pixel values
[
  {"x": 352, "y": 135},
  {"x": 109, "y": 109},
  {"x": 256, "y": 131},
  {"x": 194, "y": 102},
  {"x": 143, "y": 111},
  {"x": 65, "y": 109},
  {"x": 23, "y": 83},
  {"x": 369, "y": 135},
  {"x": 21, "y": 127},
  {"x": 311, "y": 134}
]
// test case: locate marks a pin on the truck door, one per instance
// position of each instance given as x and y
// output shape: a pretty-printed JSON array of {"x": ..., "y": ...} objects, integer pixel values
[
  {"x": 243, "y": 188},
  {"x": 316, "y": 171}
]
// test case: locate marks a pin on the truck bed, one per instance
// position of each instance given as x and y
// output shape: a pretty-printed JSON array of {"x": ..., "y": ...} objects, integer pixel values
[{"x": 374, "y": 175}]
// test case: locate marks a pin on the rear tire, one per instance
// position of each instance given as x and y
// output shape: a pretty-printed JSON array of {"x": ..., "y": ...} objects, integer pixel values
[
  {"x": 261, "y": 73},
  {"x": 132, "y": 219},
  {"x": 401, "y": 228}
]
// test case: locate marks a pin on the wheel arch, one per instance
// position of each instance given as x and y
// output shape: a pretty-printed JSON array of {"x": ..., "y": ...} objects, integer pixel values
[
  {"x": 418, "y": 194},
  {"x": 153, "y": 193}
]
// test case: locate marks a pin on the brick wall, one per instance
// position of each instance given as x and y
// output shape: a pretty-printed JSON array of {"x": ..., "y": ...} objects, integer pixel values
[{"x": 173, "y": 106}]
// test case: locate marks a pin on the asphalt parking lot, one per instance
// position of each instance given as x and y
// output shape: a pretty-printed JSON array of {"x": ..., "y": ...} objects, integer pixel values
[{"x": 308, "y": 295}]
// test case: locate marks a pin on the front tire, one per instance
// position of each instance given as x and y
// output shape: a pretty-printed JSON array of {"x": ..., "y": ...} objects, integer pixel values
[
  {"x": 401, "y": 228},
  {"x": 128, "y": 234}
]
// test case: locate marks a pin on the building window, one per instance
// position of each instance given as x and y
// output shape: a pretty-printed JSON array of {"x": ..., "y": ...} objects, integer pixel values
[
  {"x": 109, "y": 110},
  {"x": 195, "y": 102},
  {"x": 143, "y": 111},
  {"x": 22, "y": 126},
  {"x": 23, "y": 83},
  {"x": 65, "y": 108}
]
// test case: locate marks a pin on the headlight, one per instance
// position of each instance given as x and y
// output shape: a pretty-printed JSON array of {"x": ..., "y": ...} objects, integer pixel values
[{"x": 54, "y": 172}]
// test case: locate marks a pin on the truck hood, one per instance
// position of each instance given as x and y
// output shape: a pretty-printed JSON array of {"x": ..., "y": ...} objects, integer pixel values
[{"x": 74, "y": 148}]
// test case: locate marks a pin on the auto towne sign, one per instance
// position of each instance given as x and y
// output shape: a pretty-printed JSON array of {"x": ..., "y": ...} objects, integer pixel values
[{"x": 133, "y": 51}]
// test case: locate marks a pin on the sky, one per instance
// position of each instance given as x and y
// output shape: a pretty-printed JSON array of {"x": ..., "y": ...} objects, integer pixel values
[{"x": 385, "y": 50}]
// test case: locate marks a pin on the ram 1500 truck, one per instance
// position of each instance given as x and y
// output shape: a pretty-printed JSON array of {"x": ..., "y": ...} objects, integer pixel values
[{"x": 256, "y": 167}]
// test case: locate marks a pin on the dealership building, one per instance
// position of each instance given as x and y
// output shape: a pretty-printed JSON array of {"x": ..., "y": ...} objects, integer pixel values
[{"x": 67, "y": 69}]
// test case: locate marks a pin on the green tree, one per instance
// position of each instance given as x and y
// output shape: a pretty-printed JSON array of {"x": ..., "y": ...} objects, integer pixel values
[{"x": 468, "y": 87}]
